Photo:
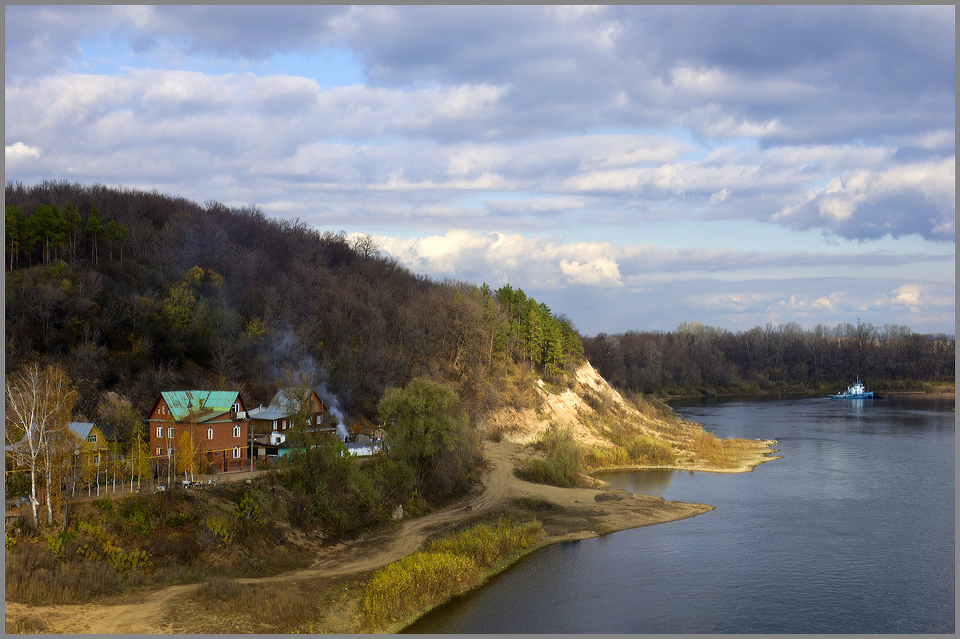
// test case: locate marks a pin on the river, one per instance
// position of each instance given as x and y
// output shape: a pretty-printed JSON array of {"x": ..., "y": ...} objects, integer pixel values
[{"x": 853, "y": 531}]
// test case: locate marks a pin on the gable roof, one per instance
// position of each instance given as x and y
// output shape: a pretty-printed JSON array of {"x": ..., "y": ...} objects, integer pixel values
[
  {"x": 199, "y": 406},
  {"x": 82, "y": 429},
  {"x": 285, "y": 402}
]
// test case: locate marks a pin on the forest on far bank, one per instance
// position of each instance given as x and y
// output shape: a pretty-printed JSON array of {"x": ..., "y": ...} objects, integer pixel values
[{"x": 698, "y": 359}]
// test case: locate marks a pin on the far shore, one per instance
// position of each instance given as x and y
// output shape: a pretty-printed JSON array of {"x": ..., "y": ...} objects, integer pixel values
[{"x": 807, "y": 393}]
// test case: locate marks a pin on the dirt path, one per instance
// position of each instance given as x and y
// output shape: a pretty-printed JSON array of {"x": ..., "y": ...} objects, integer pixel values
[{"x": 582, "y": 517}]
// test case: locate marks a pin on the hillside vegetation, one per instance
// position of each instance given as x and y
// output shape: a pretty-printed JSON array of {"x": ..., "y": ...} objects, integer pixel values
[{"x": 138, "y": 292}]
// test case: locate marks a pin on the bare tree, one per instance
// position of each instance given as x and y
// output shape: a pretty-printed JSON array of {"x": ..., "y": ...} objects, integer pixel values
[{"x": 365, "y": 246}]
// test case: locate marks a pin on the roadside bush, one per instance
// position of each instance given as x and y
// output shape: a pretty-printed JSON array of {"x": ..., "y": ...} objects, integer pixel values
[
  {"x": 563, "y": 464},
  {"x": 543, "y": 471}
]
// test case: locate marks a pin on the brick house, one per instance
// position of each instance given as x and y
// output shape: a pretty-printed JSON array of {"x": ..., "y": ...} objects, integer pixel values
[{"x": 217, "y": 421}]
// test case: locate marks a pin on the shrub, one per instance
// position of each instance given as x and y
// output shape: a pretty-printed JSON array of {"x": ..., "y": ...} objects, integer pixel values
[
  {"x": 417, "y": 581},
  {"x": 648, "y": 450},
  {"x": 488, "y": 543},
  {"x": 104, "y": 504},
  {"x": 447, "y": 567},
  {"x": 563, "y": 463},
  {"x": 135, "y": 516}
]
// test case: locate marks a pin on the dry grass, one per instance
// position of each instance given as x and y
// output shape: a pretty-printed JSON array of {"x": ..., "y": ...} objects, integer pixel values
[
  {"x": 640, "y": 450},
  {"x": 722, "y": 453},
  {"x": 448, "y": 566},
  {"x": 262, "y": 608},
  {"x": 35, "y": 576}
]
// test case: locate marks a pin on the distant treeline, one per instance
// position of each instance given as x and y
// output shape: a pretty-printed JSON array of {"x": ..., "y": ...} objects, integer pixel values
[
  {"x": 700, "y": 359},
  {"x": 138, "y": 292}
]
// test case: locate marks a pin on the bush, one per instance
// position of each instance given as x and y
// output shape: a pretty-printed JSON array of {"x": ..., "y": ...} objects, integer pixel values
[
  {"x": 416, "y": 581},
  {"x": 563, "y": 464},
  {"x": 447, "y": 567},
  {"x": 648, "y": 450}
]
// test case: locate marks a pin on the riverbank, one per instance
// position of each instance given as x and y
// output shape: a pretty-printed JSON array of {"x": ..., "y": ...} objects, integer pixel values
[{"x": 338, "y": 572}]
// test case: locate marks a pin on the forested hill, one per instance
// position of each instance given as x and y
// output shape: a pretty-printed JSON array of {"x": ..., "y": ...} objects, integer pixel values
[
  {"x": 137, "y": 292},
  {"x": 701, "y": 359}
]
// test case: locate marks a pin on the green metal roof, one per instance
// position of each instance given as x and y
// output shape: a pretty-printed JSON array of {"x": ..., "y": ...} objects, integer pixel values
[{"x": 199, "y": 406}]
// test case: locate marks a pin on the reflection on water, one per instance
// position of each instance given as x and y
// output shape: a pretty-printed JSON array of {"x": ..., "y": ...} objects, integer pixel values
[
  {"x": 852, "y": 531},
  {"x": 646, "y": 482}
]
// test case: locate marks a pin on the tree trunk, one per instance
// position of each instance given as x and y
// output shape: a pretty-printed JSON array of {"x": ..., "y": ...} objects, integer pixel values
[
  {"x": 49, "y": 494},
  {"x": 33, "y": 494}
]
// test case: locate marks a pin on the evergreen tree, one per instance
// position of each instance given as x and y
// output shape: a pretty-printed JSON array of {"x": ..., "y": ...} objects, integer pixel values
[
  {"x": 94, "y": 229},
  {"x": 15, "y": 227}
]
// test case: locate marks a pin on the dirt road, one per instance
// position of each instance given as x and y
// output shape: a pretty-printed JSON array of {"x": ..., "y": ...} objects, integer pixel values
[{"x": 581, "y": 516}]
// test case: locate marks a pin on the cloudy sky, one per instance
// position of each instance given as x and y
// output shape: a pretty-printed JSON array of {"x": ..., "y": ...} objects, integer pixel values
[{"x": 632, "y": 167}]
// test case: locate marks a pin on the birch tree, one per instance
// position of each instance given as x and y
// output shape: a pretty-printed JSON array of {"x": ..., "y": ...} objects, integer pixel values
[{"x": 39, "y": 403}]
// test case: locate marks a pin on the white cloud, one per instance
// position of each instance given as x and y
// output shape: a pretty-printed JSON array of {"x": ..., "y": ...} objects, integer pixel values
[
  {"x": 601, "y": 271},
  {"x": 18, "y": 151},
  {"x": 720, "y": 196},
  {"x": 917, "y": 298}
]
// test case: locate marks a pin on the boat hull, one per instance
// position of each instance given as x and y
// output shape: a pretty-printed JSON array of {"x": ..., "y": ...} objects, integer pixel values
[{"x": 867, "y": 395}]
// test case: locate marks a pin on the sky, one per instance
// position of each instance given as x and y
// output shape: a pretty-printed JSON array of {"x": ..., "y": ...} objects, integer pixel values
[{"x": 633, "y": 167}]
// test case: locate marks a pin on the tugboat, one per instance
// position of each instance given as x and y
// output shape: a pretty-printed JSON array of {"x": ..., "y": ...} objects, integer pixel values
[{"x": 857, "y": 391}]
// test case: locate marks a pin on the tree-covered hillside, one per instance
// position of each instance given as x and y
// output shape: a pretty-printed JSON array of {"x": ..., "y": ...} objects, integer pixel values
[{"x": 137, "y": 292}]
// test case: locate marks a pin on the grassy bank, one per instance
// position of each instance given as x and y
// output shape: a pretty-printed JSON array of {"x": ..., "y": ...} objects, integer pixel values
[{"x": 448, "y": 566}]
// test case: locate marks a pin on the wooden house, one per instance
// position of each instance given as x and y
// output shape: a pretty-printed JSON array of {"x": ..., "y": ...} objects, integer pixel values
[
  {"x": 94, "y": 439},
  {"x": 216, "y": 421},
  {"x": 272, "y": 424}
]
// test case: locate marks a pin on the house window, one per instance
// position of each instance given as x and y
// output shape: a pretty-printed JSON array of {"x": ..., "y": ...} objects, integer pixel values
[
  {"x": 236, "y": 431},
  {"x": 96, "y": 459},
  {"x": 169, "y": 451},
  {"x": 93, "y": 438},
  {"x": 159, "y": 451},
  {"x": 170, "y": 433},
  {"x": 283, "y": 424},
  {"x": 274, "y": 424},
  {"x": 236, "y": 407},
  {"x": 236, "y": 453},
  {"x": 159, "y": 432},
  {"x": 209, "y": 433}
]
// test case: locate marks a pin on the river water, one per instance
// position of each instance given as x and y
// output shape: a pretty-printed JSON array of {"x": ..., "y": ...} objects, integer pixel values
[{"x": 853, "y": 531}]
